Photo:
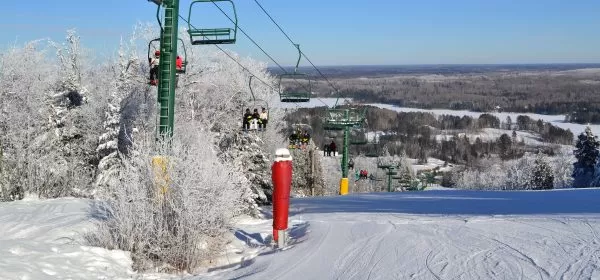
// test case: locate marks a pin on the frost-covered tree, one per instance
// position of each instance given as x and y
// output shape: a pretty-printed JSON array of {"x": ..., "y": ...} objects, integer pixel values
[
  {"x": 406, "y": 173},
  {"x": 586, "y": 153},
  {"x": 73, "y": 127},
  {"x": 123, "y": 84},
  {"x": 177, "y": 227},
  {"x": 215, "y": 170},
  {"x": 528, "y": 172},
  {"x": 25, "y": 76},
  {"x": 50, "y": 132},
  {"x": 562, "y": 168},
  {"x": 307, "y": 178},
  {"x": 542, "y": 177}
]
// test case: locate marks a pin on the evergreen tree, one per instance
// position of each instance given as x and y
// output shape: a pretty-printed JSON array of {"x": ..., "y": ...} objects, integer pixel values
[
  {"x": 586, "y": 153},
  {"x": 509, "y": 123},
  {"x": 505, "y": 146},
  {"x": 542, "y": 177}
]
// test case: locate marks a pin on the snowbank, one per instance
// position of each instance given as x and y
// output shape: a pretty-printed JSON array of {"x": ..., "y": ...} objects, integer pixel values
[{"x": 43, "y": 240}]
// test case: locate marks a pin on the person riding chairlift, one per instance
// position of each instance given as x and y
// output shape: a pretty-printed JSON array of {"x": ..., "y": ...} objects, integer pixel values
[
  {"x": 264, "y": 118},
  {"x": 179, "y": 63},
  {"x": 154, "y": 62},
  {"x": 293, "y": 139},
  {"x": 246, "y": 120},
  {"x": 332, "y": 149},
  {"x": 255, "y": 121},
  {"x": 305, "y": 139}
]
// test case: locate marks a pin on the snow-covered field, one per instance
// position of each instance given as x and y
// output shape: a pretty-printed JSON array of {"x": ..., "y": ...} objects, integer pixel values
[
  {"x": 409, "y": 235},
  {"x": 557, "y": 120},
  {"x": 492, "y": 134}
]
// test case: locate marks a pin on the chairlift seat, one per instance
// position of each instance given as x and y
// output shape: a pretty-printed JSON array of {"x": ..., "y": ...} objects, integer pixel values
[
  {"x": 358, "y": 142},
  {"x": 211, "y": 36},
  {"x": 294, "y": 97}
]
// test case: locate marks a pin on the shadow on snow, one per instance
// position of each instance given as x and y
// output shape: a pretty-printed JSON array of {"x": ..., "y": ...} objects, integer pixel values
[{"x": 571, "y": 201}]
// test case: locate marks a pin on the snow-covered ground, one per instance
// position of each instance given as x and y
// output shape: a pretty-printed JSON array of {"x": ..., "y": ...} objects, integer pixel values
[
  {"x": 43, "y": 240},
  {"x": 409, "y": 235},
  {"x": 437, "y": 235}
]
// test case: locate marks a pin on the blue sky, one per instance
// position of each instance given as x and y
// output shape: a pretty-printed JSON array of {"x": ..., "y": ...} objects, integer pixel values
[{"x": 349, "y": 32}]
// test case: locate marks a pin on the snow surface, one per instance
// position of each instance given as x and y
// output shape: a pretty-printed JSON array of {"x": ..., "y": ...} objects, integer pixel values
[
  {"x": 437, "y": 235},
  {"x": 43, "y": 240},
  {"x": 409, "y": 235}
]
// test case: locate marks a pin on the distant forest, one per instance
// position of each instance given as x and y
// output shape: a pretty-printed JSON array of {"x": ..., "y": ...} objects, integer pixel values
[
  {"x": 534, "y": 89},
  {"x": 413, "y": 134}
]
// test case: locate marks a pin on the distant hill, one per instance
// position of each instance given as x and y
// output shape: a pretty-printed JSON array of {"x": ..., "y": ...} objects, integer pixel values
[{"x": 387, "y": 70}]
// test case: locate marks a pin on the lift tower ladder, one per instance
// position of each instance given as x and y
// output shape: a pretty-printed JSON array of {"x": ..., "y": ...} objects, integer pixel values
[{"x": 167, "y": 67}]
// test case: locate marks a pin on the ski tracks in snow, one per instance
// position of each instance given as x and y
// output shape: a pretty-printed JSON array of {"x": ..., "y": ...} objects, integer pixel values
[
  {"x": 385, "y": 236},
  {"x": 380, "y": 246}
]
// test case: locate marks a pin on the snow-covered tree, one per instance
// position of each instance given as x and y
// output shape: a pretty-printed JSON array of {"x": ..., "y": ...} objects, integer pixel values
[
  {"x": 519, "y": 174},
  {"x": 123, "y": 83},
  {"x": 406, "y": 173},
  {"x": 25, "y": 76},
  {"x": 307, "y": 178},
  {"x": 49, "y": 130},
  {"x": 542, "y": 177},
  {"x": 586, "y": 153},
  {"x": 529, "y": 172},
  {"x": 562, "y": 168},
  {"x": 182, "y": 225}
]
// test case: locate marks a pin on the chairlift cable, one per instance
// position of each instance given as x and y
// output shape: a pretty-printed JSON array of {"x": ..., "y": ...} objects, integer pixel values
[
  {"x": 303, "y": 54},
  {"x": 241, "y": 65},
  {"x": 238, "y": 63},
  {"x": 263, "y": 51}
]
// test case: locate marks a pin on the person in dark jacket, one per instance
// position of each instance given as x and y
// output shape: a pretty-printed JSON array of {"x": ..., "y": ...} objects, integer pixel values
[
  {"x": 293, "y": 139},
  {"x": 246, "y": 120},
  {"x": 332, "y": 148}
]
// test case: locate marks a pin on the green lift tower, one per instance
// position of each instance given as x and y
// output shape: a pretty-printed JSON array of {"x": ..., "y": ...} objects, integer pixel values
[
  {"x": 344, "y": 119},
  {"x": 167, "y": 67}
]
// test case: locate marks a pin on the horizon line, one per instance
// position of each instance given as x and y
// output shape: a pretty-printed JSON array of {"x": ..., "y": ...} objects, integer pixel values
[{"x": 450, "y": 64}]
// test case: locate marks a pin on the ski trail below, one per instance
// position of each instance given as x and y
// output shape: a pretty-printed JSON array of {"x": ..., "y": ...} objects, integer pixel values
[{"x": 371, "y": 238}]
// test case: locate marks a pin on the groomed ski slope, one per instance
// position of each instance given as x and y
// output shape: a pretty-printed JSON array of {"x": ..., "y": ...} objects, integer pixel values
[
  {"x": 412, "y": 235},
  {"x": 438, "y": 235}
]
